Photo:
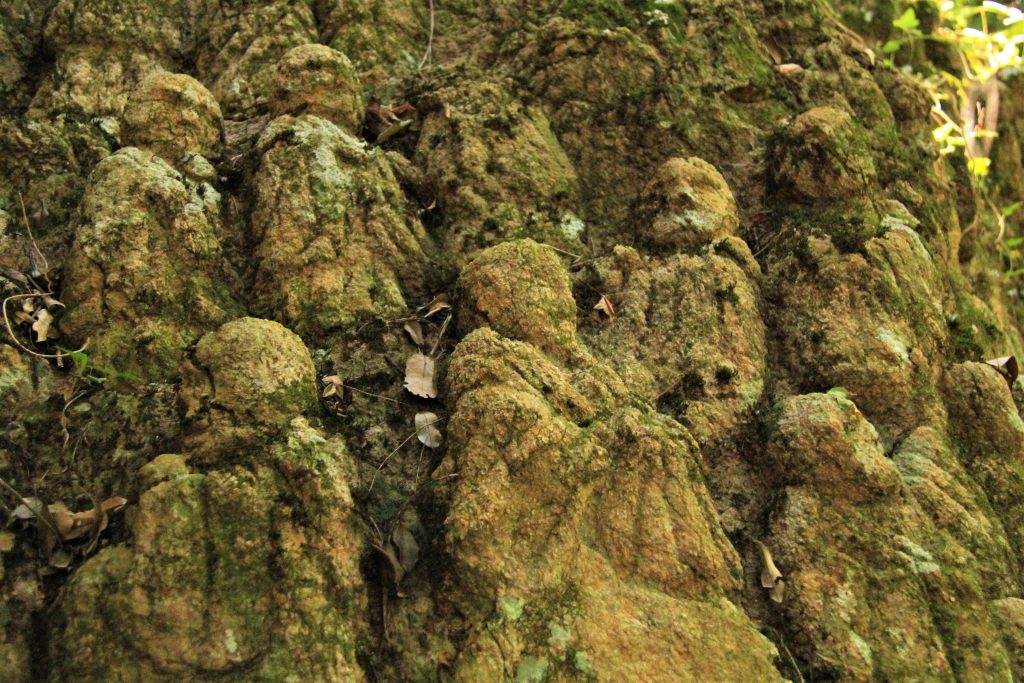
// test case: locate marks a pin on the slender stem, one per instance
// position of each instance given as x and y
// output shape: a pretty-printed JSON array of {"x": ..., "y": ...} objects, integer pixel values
[
  {"x": 398, "y": 448},
  {"x": 430, "y": 39}
]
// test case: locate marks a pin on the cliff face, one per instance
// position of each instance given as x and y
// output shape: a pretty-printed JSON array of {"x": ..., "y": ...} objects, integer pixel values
[{"x": 480, "y": 341}]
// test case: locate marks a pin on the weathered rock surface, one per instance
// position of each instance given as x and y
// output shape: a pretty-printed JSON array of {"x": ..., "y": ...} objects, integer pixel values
[
  {"x": 234, "y": 570},
  {"x": 685, "y": 308},
  {"x": 524, "y": 433},
  {"x": 334, "y": 239}
]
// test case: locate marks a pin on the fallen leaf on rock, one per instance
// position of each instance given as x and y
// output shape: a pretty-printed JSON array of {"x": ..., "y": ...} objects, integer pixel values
[
  {"x": 333, "y": 386},
  {"x": 426, "y": 432},
  {"x": 388, "y": 551},
  {"x": 72, "y": 526},
  {"x": 605, "y": 307},
  {"x": 61, "y": 559},
  {"x": 408, "y": 548},
  {"x": 415, "y": 331},
  {"x": 419, "y": 376},
  {"x": 16, "y": 276},
  {"x": 28, "y": 508},
  {"x": 1007, "y": 367},
  {"x": 42, "y": 324},
  {"x": 439, "y": 303},
  {"x": 771, "y": 577}
]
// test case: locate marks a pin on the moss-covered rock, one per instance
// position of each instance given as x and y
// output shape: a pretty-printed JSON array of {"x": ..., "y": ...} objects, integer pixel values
[
  {"x": 381, "y": 38},
  {"x": 1010, "y": 614},
  {"x": 872, "y": 324},
  {"x": 242, "y": 42},
  {"x": 823, "y": 155},
  {"x": 520, "y": 290},
  {"x": 247, "y": 379},
  {"x": 316, "y": 80},
  {"x": 851, "y": 540},
  {"x": 989, "y": 436},
  {"x": 334, "y": 239},
  {"x": 145, "y": 276},
  {"x": 546, "y": 458},
  {"x": 495, "y": 169},
  {"x": 46, "y": 163},
  {"x": 230, "y": 574},
  {"x": 688, "y": 333},
  {"x": 172, "y": 115},
  {"x": 685, "y": 207},
  {"x": 103, "y": 48}
]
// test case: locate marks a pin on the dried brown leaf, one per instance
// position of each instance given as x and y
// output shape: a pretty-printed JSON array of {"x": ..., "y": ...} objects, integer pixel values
[
  {"x": 419, "y": 376},
  {"x": 6, "y": 541},
  {"x": 113, "y": 504},
  {"x": 60, "y": 559},
  {"x": 16, "y": 276},
  {"x": 388, "y": 551},
  {"x": 771, "y": 577},
  {"x": 1007, "y": 367},
  {"x": 426, "y": 431},
  {"x": 333, "y": 386},
  {"x": 28, "y": 508},
  {"x": 789, "y": 69},
  {"x": 605, "y": 308},
  {"x": 42, "y": 324},
  {"x": 408, "y": 548},
  {"x": 439, "y": 303},
  {"x": 415, "y": 331}
]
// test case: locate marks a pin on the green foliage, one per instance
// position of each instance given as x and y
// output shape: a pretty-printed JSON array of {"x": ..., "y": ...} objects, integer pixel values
[
  {"x": 96, "y": 374},
  {"x": 986, "y": 37}
]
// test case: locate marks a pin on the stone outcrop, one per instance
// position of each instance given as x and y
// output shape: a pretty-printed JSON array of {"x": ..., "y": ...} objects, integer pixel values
[{"x": 708, "y": 318}]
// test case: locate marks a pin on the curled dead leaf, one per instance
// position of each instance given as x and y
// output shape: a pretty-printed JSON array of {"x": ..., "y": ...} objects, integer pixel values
[
  {"x": 415, "y": 331},
  {"x": 605, "y": 308},
  {"x": 42, "y": 324},
  {"x": 333, "y": 386},
  {"x": 1007, "y": 367},
  {"x": 771, "y": 577},
  {"x": 387, "y": 550},
  {"x": 28, "y": 509},
  {"x": 438, "y": 303},
  {"x": 426, "y": 431},
  {"x": 408, "y": 548},
  {"x": 419, "y": 376}
]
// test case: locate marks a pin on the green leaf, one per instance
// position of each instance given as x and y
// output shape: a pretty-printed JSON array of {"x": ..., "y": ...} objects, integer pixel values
[
  {"x": 1010, "y": 210},
  {"x": 892, "y": 46},
  {"x": 907, "y": 21},
  {"x": 979, "y": 166}
]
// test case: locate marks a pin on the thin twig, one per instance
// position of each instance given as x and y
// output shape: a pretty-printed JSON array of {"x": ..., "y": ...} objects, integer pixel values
[
  {"x": 430, "y": 39},
  {"x": 14, "y": 338},
  {"x": 386, "y": 398},
  {"x": 440, "y": 335},
  {"x": 28, "y": 228},
  {"x": 24, "y": 501},
  {"x": 563, "y": 251},
  {"x": 398, "y": 448}
]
